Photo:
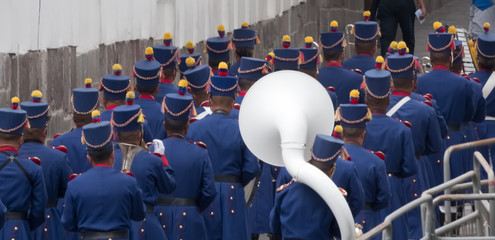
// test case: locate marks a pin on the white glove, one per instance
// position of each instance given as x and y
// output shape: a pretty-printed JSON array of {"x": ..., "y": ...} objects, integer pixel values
[{"x": 158, "y": 146}]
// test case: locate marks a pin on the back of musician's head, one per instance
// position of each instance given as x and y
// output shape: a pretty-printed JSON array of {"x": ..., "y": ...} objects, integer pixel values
[
  {"x": 176, "y": 126},
  {"x": 353, "y": 133},
  {"x": 486, "y": 63},
  {"x": 377, "y": 104},
  {"x": 333, "y": 55},
  {"x": 81, "y": 119},
  {"x": 441, "y": 58},
  {"x": 244, "y": 52},
  {"x": 223, "y": 102},
  {"x": 324, "y": 167},
  {"x": 366, "y": 47},
  {"x": 102, "y": 155},
  {"x": 10, "y": 139}
]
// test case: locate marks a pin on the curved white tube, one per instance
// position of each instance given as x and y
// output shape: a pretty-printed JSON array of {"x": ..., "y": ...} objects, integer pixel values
[{"x": 308, "y": 174}]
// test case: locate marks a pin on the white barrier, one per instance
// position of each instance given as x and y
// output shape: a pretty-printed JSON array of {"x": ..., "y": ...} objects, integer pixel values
[{"x": 40, "y": 24}]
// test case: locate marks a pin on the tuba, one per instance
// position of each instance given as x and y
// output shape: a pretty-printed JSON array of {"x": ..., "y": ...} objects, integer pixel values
[
  {"x": 282, "y": 134},
  {"x": 349, "y": 48},
  {"x": 129, "y": 151},
  {"x": 425, "y": 64}
]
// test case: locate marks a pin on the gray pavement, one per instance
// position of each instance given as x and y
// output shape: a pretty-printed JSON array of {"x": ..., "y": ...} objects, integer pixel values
[{"x": 456, "y": 13}]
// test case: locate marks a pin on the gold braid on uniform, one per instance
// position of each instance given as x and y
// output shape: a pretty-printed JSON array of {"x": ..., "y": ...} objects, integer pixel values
[
  {"x": 114, "y": 91},
  {"x": 402, "y": 69},
  {"x": 145, "y": 78},
  {"x": 325, "y": 159},
  {"x": 99, "y": 145},
  {"x": 14, "y": 128},
  {"x": 288, "y": 59},
  {"x": 370, "y": 38},
  {"x": 176, "y": 114},
  {"x": 39, "y": 115},
  {"x": 83, "y": 113},
  {"x": 128, "y": 121},
  {"x": 442, "y": 48},
  {"x": 224, "y": 90},
  {"x": 252, "y": 70}
]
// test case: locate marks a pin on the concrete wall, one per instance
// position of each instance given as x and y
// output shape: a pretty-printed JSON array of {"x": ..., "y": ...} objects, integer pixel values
[{"x": 56, "y": 71}]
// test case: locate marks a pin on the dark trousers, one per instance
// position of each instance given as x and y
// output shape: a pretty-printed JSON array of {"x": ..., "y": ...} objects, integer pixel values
[{"x": 388, "y": 28}]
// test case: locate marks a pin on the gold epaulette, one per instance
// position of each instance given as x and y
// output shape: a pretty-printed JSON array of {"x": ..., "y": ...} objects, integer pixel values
[{"x": 283, "y": 186}]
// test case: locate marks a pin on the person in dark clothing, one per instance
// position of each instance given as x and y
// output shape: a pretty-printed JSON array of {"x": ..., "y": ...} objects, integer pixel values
[{"x": 392, "y": 13}]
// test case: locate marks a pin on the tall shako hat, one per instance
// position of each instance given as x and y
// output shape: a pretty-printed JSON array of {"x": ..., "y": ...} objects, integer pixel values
[
  {"x": 326, "y": 149},
  {"x": 218, "y": 47},
  {"x": 116, "y": 85},
  {"x": 353, "y": 115},
  {"x": 147, "y": 71},
  {"x": 166, "y": 54},
  {"x": 178, "y": 106},
  {"x": 84, "y": 100},
  {"x": 377, "y": 81},
  {"x": 286, "y": 58},
  {"x": 38, "y": 113}
]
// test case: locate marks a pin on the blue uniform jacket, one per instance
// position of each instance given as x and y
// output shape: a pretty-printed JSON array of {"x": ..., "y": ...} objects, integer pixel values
[
  {"x": 165, "y": 88},
  {"x": 346, "y": 177},
  {"x": 194, "y": 177},
  {"x": 300, "y": 213},
  {"x": 425, "y": 130},
  {"x": 226, "y": 217},
  {"x": 483, "y": 76},
  {"x": 3, "y": 209},
  {"x": 55, "y": 166},
  {"x": 150, "y": 173},
  {"x": 228, "y": 153},
  {"x": 154, "y": 115},
  {"x": 343, "y": 80},
  {"x": 20, "y": 194},
  {"x": 373, "y": 176},
  {"x": 452, "y": 93},
  {"x": 152, "y": 178},
  {"x": 76, "y": 151},
  {"x": 102, "y": 199},
  {"x": 440, "y": 118},
  {"x": 362, "y": 62},
  {"x": 394, "y": 139}
]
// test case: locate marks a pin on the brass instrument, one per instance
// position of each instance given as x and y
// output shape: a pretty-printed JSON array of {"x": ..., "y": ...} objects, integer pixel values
[
  {"x": 425, "y": 65},
  {"x": 129, "y": 152}
]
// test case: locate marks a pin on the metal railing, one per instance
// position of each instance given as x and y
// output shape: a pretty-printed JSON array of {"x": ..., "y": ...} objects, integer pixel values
[{"x": 428, "y": 203}]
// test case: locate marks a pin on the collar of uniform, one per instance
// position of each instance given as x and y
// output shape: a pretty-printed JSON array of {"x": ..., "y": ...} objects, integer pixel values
[
  {"x": 365, "y": 54},
  {"x": 221, "y": 111},
  {"x": 484, "y": 69},
  {"x": 144, "y": 96},
  {"x": 111, "y": 107},
  {"x": 214, "y": 70},
  {"x": 334, "y": 64},
  {"x": 440, "y": 67},
  {"x": 205, "y": 103},
  {"x": 32, "y": 141},
  {"x": 242, "y": 93},
  {"x": 9, "y": 149},
  {"x": 165, "y": 81},
  {"x": 401, "y": 94},
  {"x": 175, "y": 135},
  {"x": 101, "y": 165}
]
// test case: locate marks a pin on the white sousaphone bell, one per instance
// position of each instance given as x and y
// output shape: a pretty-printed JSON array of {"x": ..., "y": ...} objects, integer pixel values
[{"x": 279, "y": 119}]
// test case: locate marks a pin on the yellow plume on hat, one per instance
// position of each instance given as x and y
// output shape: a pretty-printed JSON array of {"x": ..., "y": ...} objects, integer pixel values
[
  {"x": 271, "y": 54},
  {"x": 245, "y": 24},
  {"x": 308, "y": 39},
  {"x": 88, "y": 81},
  {"x": 486, "y": 25},
  {"x": 130, "y": 95},
  {"x": 182, "y": 83},
  {"x": 189, "y": 44},
  {"x": 452, "y": 30},
  {"x": 401, "y": 45},
  {"x": 190, "y": 61},
  {"x": 167, "y": 36},
  {"x": 334, "y": 24},
  {"x": 471, "y": 43},
  {"x": 379, "y": 59},
  {"x": 37, "y": 94},
  {"x": 116, "y": 67},
  {"x": 15, "y": 100},
  {"x": 338, "y": 129},
  {"x": 223, "y": 65},
  {"x": 354, "y": 93},
  {"x": 221, "y": 27},
  {"x": 286, "y": 38},
  {"x": 148, "y": 51},
  {"x": 393, "y": 45},
  {"x": 140, "y": 118},
  {"x": 437, "y": 25},
  {"x": 366, "y": 13},
  {"x": 95, "y": 113}
]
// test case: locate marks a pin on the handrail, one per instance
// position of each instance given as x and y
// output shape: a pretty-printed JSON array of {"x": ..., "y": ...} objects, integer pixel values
[{"x": 477, "y": 160}]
